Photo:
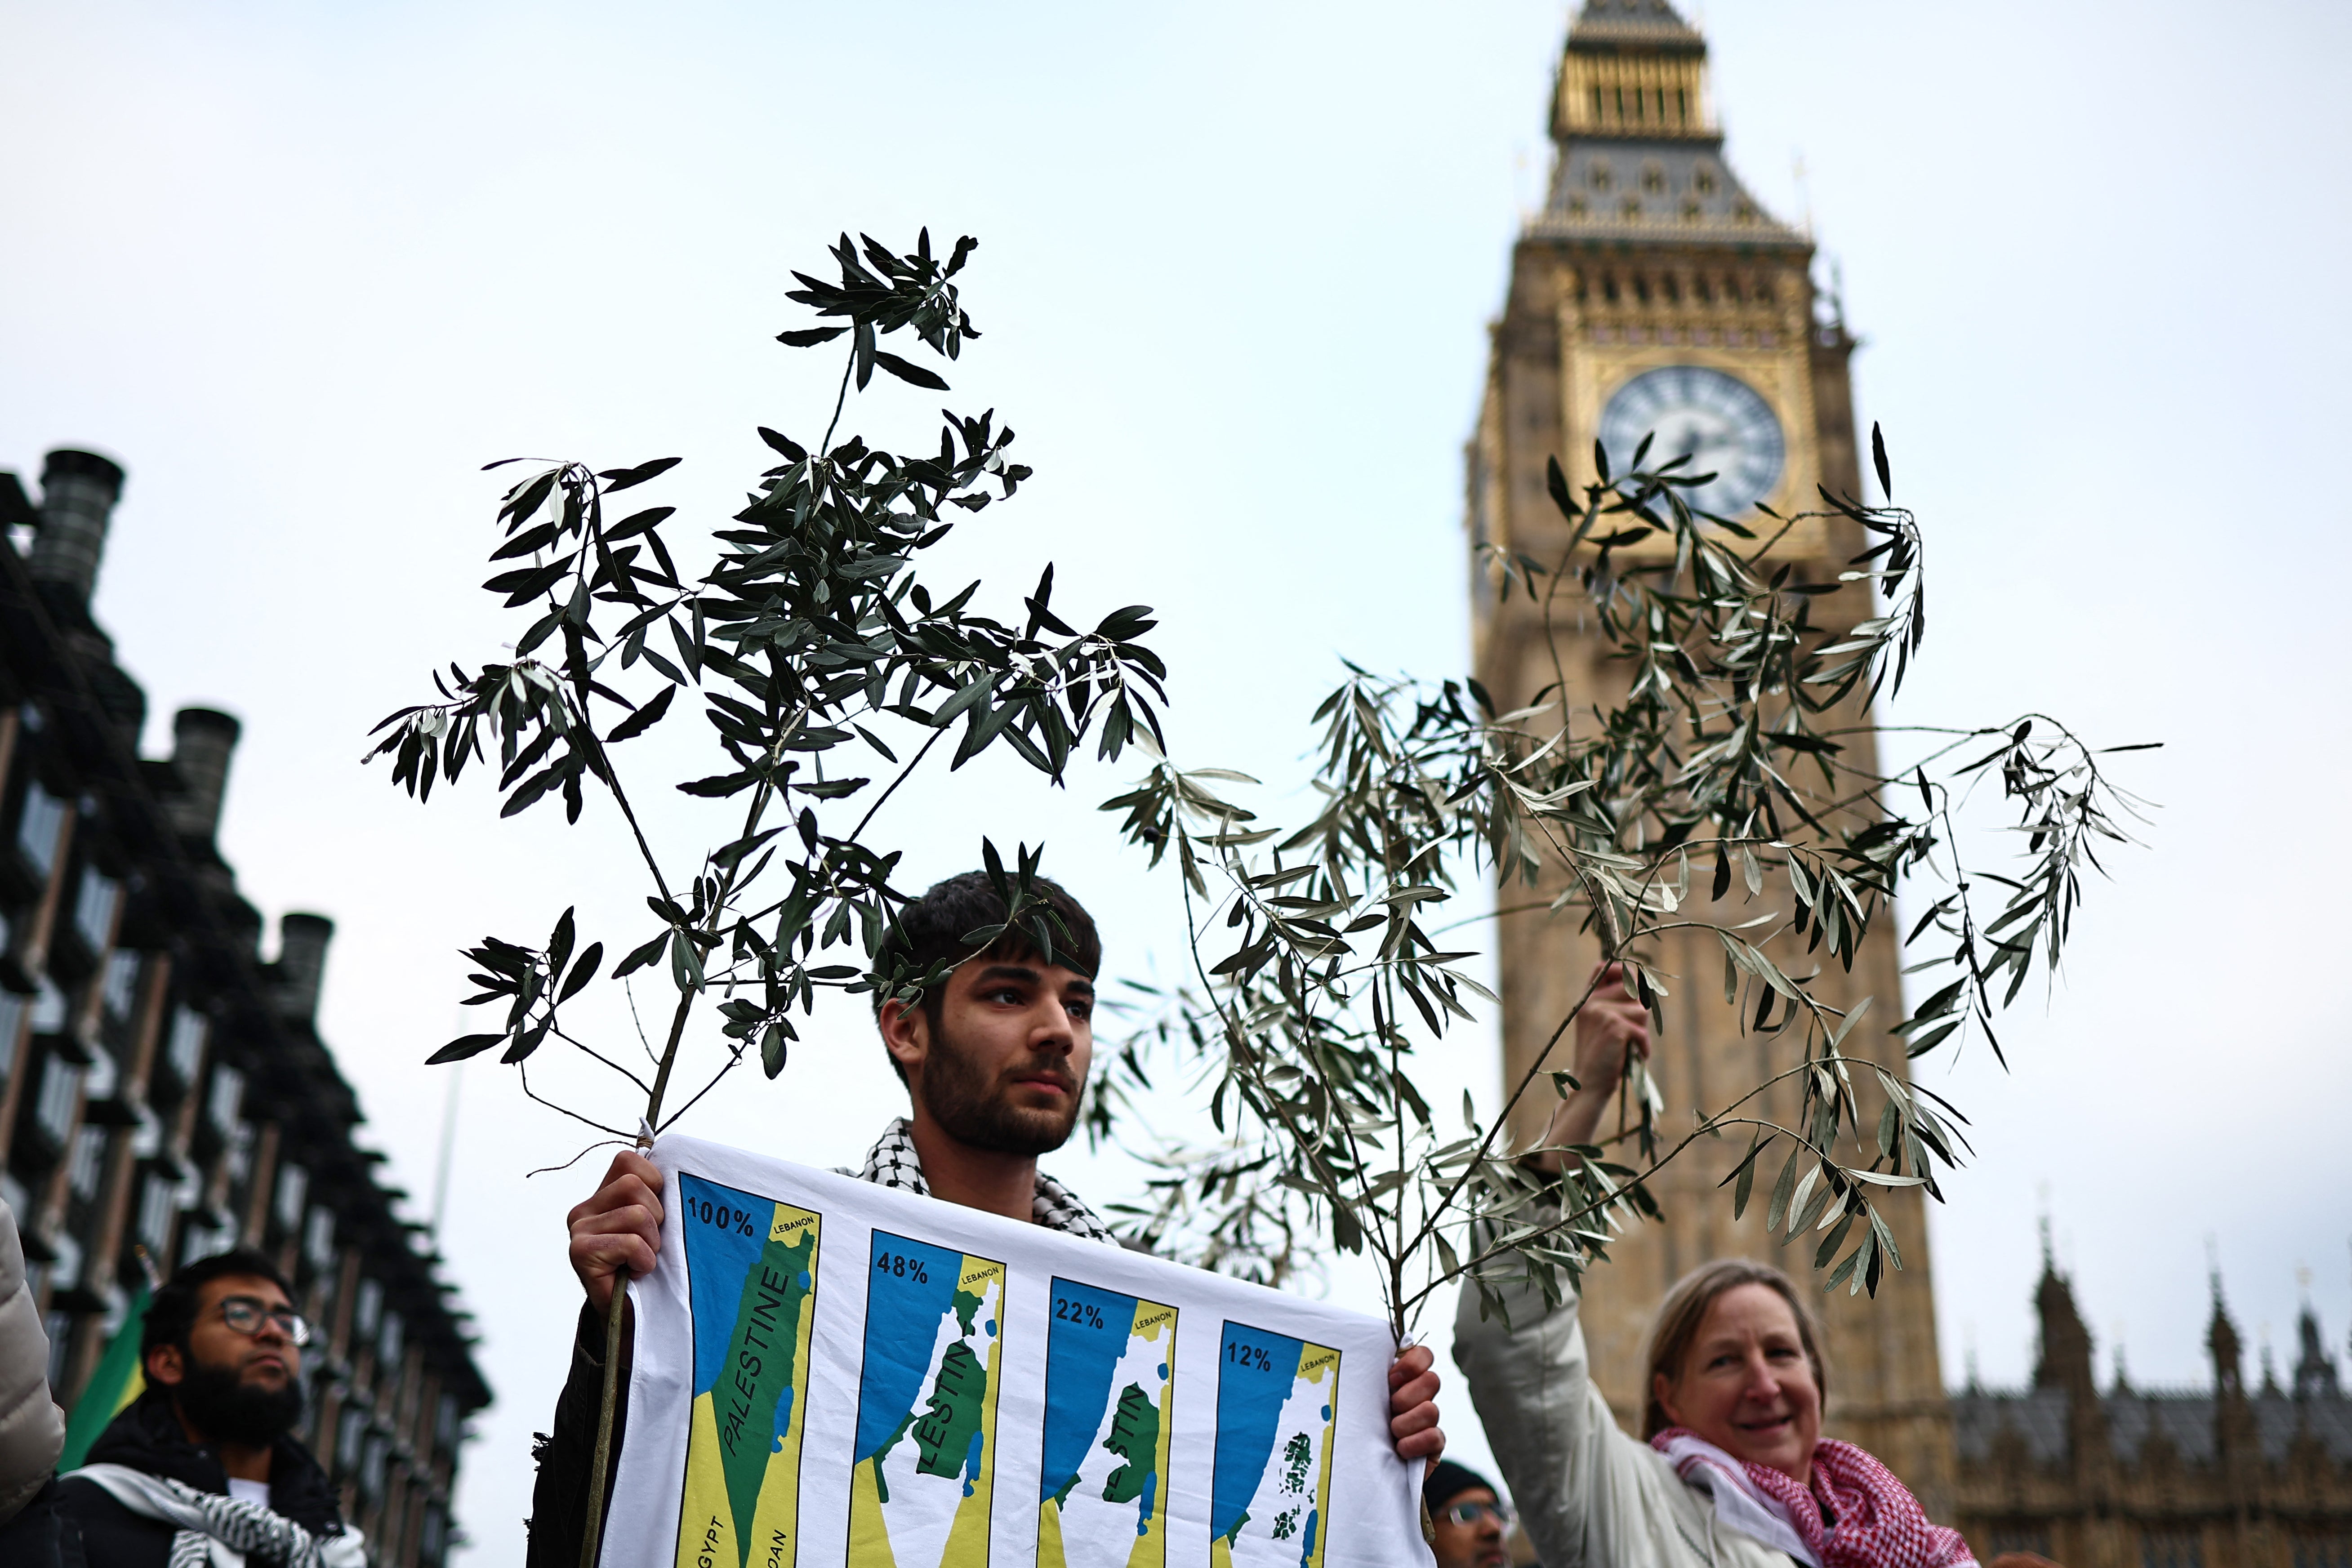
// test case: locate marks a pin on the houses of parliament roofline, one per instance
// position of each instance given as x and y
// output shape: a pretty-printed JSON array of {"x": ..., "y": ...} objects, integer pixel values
[{"x": 2168, "y": 1478}]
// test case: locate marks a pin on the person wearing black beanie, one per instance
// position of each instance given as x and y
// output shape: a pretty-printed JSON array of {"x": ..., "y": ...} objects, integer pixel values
[{"x": 1469, "y": 1518}]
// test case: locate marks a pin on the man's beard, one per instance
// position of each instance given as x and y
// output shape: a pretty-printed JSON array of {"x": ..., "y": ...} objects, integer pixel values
[
  {"x": 218, "y": 1403},
  {"x": 972, "y": 1110}
]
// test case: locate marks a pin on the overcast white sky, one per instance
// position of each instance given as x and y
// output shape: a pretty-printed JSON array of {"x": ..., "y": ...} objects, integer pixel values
[{"x": 304, "y": 267}]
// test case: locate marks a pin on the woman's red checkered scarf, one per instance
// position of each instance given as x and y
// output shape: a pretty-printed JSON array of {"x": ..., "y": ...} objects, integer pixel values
[{"x": 1879, "y": 1523}]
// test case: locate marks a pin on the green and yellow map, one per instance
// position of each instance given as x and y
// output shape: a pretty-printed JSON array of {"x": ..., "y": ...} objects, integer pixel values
[
  {"x": 751, "y": 1273},
  {"x": 1270, "y": 1496},
  {"x": 1110, "y": 1362},
  {"x": 925, "y": 1460}
]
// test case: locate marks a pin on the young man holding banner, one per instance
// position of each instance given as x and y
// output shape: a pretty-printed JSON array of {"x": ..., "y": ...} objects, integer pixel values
[{"x": 994, "y": 1061}]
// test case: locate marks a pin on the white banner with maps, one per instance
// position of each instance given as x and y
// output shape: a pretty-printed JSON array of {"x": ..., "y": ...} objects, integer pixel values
[{"x": 835, "y": 1375}]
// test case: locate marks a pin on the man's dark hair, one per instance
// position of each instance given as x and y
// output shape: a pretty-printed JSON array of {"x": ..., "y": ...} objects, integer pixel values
[
  {"x": 932, "y": 931},
  {"x": 171, "y": 1312}
]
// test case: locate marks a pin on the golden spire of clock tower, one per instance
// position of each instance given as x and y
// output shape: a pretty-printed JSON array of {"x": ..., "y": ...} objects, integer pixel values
[
  {"x": 1631, "y": 67},
  {"x": 1641, "y": 155}
]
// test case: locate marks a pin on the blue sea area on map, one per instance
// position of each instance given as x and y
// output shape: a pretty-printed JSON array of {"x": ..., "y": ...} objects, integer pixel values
[
  {"x": 1084, "y": 1342},
  {"x": 717, "y": 1257},
  {"x": 902, "y": 1324},
  {"x": 1249, "y": 1407}
]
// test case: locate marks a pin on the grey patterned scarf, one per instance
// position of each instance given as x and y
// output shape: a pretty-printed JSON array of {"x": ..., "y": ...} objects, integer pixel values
[
  {"x": 214, "y": 1531},
  {"x": 893, "y": 1162}
]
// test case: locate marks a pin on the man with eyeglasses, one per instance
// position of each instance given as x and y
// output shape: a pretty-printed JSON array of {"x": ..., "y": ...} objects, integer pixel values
[
  {"x": 1470, "y": 1521},
  {"x": 205, "y": 1457}
]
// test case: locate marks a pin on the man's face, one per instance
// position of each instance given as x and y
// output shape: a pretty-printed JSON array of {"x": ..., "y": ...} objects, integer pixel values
[
  {"x": 1004, "y": 1066},
  {"x": 232, "y": 1384},
  {"x": 1470, "y": 1530}
]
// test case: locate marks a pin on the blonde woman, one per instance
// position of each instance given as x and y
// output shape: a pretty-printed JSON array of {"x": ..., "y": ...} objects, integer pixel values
[{"x": 1731, "y": 1469}]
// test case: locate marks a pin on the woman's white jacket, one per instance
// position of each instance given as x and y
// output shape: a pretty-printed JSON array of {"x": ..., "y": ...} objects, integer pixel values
[
  {"x": 1590, "y": 1496},
  {"x": 32, "y": 1428}
]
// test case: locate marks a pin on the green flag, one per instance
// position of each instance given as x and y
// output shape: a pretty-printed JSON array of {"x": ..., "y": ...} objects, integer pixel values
[{"x": 117, "y": 1379}]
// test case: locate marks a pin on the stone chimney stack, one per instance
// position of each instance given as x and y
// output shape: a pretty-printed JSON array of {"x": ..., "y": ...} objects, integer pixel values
[
  {"x": 79, "y": 491},
  {"x": 302, "y": 963},
  {"x": 202, "y": 741}
]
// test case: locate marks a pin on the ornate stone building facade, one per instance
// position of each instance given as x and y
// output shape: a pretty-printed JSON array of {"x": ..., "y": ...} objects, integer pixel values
[
  {"x": 165, "y": 1090},
  {"x": 1653, "y": 292},
  {"x": 2229, "y": 1477}
]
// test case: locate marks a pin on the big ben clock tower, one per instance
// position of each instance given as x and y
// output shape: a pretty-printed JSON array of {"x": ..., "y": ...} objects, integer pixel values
[{"x": 1654, "y": 294}]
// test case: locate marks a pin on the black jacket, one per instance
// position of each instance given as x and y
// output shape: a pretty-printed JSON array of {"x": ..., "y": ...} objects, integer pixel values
[
  {"x": 147, "y": 1436},
  {"x": 30, "y": 1538},
  {"x": 567, "y": 1453}
]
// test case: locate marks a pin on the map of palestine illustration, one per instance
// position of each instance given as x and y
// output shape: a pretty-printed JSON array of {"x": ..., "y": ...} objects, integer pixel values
[
  {"x": 925, "y": 1462},
  {"x": 1110, "y": 1362},
  {"x": 1270, "y": 1498},
  {"x": 752, "y": 1263},
  {"x": 829, "y": 1373}
]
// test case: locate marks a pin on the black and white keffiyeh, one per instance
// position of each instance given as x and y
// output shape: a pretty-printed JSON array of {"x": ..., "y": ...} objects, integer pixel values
[
  {"x": 893, "y": 1162},
  {"x": 214, "y": 1531}
]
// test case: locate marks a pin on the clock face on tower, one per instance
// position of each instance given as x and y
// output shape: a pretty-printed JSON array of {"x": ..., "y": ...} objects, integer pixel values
[{"x": 1728, "y": 429}]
